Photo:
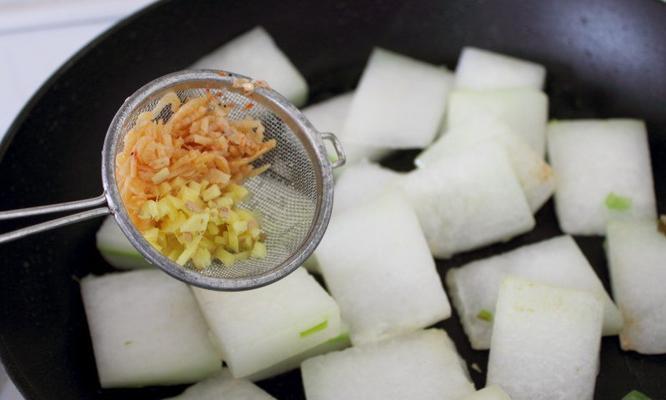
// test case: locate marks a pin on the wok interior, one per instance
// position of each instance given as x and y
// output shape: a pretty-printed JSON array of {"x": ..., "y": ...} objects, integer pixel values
[{"x": 594, "y": 71}]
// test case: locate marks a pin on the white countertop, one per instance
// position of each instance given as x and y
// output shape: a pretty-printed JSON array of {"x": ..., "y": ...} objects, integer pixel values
[{"x": 36, "y": 37}]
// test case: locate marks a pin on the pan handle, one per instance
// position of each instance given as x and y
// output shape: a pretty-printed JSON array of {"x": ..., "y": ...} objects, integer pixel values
[{"x": 53, "y": 208}]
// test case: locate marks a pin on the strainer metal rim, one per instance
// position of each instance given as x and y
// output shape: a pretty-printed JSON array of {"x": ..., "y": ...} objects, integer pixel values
[{"x": 277, "y": 102}]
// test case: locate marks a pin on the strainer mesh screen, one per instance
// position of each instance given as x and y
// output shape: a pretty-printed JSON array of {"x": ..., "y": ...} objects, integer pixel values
[{"x": 285, "y": 198}]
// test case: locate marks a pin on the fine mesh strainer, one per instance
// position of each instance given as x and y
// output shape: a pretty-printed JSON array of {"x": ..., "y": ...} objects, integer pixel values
[{"x": 293, "y": 198}]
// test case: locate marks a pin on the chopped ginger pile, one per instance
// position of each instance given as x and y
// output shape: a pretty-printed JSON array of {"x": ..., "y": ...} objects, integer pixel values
[{"x": 181, "y": 180}]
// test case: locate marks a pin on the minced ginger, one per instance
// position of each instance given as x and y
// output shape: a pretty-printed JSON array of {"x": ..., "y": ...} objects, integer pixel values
[{"x": 182, "y": 180}]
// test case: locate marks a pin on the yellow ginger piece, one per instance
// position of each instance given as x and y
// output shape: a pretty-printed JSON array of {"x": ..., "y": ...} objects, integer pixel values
[{"x": 199, "y": 222}]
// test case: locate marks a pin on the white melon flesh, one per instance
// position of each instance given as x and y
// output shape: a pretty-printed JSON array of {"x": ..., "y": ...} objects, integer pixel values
[
  {"x": 596, "y": 160},
  {"x": 259, "y": 328},
  {"x": 422, "y": 365},
  {"x": 377, "y": 266},
  {"x": 545, "y": 343},
  {"x": 312, "y": 264},
  {"x": 357, "y": 184},
  {"x": 524, "y": 111},
  {"x": 116, "y": 249},
  {"x": 146, "y": 329},
  {"x": 355, "y": 153},
  {"x": 558, "y": 262},
  {"x": 223, "y": 386},
  {"x": 637, "y": 259},
  {"x": 492, "y": 392},
  {"x": 482, "y": 69},
  {"x": 339, "y": 342},
  {"x": 468, "y": 200},
  {"x": 535, "y": 175},
  {"x": 330, "y": 116},
  {"x": 399, "y": 102},
  {"x": 255, "y": 54},
  {"x": 361, "y": 183}
]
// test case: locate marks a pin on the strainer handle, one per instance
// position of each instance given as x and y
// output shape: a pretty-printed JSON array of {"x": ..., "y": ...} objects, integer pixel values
[
  {"x": 52, "y": 208},
  {"x": 340, "y": 156}
]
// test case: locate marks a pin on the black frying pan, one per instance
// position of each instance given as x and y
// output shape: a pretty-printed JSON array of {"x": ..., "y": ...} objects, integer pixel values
[{"x": 605, "y": 58}]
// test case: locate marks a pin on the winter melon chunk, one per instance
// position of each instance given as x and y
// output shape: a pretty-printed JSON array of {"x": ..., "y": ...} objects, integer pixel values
[
  {"x": 146, "y": 329},
  {"x": 604, "y": 172},
  {"x": 116, "y": 249},
  {"x": 385, "y": 280},
  {"x": 399, "y": 102},
  {"x": 357, "y": 184},
  {"x": 256, "y": 55},
  {"x": 223, "y": 386},
  {"x": 361, "y": 183},
  {"x": 259, "y": 328},
  {"x": 545, "y": 343},
  {"x": 474, "y": 287},
  {"x": 339, "y": 342},
  {"x": 330, "y": 116},
  {"x": 524, "y": 111},
  {"x": 422, "y": 365},
  {"x": 535, "y": 175},
  {"x": 482, "y": 69},
  {"x": 637, "y": 259},
  {"x": 468, "y": 200}
]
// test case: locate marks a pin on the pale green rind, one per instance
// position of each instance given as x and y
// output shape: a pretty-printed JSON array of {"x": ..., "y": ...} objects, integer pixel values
[
  {"x": 337, "y": 343},
  {"x": 124, "y": 259},
  {"x": 116, "y": 249}
]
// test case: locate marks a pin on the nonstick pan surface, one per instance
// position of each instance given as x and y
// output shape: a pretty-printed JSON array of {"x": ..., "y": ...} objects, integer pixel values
[{"x": 605, "y": 58}]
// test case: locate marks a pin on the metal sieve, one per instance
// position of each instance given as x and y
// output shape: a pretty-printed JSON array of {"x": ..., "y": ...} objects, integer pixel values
[{"x": 293, "y": 198}]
